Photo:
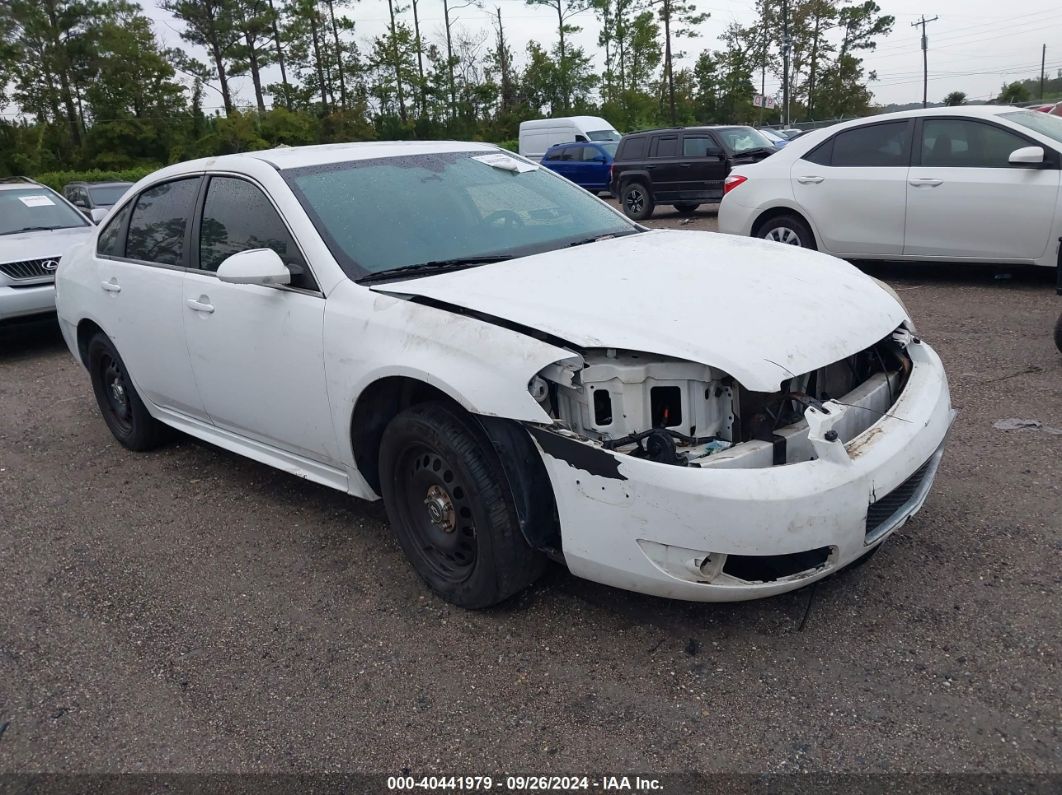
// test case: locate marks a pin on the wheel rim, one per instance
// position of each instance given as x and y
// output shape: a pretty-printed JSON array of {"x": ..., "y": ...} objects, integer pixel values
[
  {"x": 436, "y": 509},
  {"x": 635, "y": 200},
  {"x": 116, "y": 392},
  {"x": 783, "y": 234}
]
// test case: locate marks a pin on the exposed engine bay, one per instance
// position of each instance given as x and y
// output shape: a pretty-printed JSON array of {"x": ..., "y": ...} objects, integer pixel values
[{"x": 689, "y": 414}]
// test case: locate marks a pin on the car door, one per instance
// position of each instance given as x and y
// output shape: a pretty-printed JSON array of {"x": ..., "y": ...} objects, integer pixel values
[
  {"x": 707, "y": 168},
  {"x": 141, "y": 258},
  {"x": 595, "y": 166},
  {"x": 667, "y": 167},
  {"x": 853, "y": 187},
  {"x": 256, "y": 351},
  {"x": 561, "y": 159},
  {"x": 965, "y": 199}
]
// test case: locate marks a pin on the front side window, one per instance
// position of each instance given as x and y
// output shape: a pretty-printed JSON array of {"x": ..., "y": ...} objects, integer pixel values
[
  {"x": 961, "y": 143},
  {"x": 591, "y": 154},
  {"x": 876, "y": 145},
  {"x": 387, "y": 213},
  {"x": 157, "y": 226},
  {"x": 700, "y": 146},
  {"x": 237, "y": 217},
  {"x": 666, "y": 147},
  {"x": 35, "y": 209}
]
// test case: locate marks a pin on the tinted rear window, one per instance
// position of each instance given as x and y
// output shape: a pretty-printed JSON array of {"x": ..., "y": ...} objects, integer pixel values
[
  {"x": 876, "y": 145},
  {"x": 634, "y": 148},
  {"x": 156, "y": 230}
]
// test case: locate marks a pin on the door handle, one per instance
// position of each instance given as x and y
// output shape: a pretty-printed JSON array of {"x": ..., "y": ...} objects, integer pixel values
[
  {"x": 201, "y": 304},
  {"x": 813, "y": 180},
  {"x": 650, "y": 167},
  {"x": 929, "y": 182},
  {"x": 112, "y": 286}
]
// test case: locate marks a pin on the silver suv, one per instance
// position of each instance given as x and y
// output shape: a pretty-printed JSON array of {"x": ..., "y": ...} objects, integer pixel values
[{"x": 37, "y": 226}]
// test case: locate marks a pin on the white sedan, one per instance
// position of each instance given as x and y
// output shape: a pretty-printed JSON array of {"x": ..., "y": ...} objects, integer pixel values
[
  {"x": 969, "y": 184},
  {"x": 519, "y": 371}
]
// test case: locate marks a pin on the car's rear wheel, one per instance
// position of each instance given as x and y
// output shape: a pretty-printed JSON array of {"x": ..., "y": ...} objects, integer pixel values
[
  {"x": 121, "y": 405},
  {"x": 450, "y": 506},
  {"x": 1058, "y": 333},
  {"x": 686, "y": 208},
  {"x": 637, "y": 201},
  {"x": 789, "y": 230}
]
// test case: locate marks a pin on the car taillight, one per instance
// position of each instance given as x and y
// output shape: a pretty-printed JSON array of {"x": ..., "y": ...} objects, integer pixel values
[{"x": 732, "y": 182}]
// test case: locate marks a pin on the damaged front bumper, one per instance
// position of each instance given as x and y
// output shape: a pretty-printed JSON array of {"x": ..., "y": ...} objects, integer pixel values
[{"x": 722, "y": 534}]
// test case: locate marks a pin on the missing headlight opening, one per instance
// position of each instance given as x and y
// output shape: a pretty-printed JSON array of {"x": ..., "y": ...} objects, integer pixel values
[{"x": 689, "y": 414}]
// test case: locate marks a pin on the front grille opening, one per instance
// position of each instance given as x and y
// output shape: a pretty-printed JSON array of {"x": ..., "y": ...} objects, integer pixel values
[
  {"x": 768, "y": 568},
  {"x": 881, "y": 514},
  {"x": 29, "y": 269},
  {"x": 602, "y": 407},
  {"x": 665, "y": 405}
]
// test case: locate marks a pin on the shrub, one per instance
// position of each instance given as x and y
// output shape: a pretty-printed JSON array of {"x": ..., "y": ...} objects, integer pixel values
[{"x": 57, "y": 179}]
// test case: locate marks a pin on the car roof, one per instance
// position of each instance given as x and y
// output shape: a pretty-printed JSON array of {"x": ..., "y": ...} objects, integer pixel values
[
  {"x": 24, "y": 185},
  {"x": 290, "y": 157},
  {"x": 100, "y": 184}
]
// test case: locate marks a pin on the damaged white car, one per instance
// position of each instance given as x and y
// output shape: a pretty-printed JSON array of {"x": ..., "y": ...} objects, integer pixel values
[{"x": 519, "y": 371}]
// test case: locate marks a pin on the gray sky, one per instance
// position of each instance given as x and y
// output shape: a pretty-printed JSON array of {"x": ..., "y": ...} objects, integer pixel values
[{"x": 975, "y": 46}]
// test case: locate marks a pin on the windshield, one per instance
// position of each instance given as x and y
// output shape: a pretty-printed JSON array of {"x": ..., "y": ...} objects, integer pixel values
[
  {"x": 107, "y": 195},
  {"x": 744, "y": 139},
  {"x": 35, "y": 208},
  {"x": 382, "y": 214},
  {"x": 1043, "y": 123},
  {"x": 604, "y": 135}
]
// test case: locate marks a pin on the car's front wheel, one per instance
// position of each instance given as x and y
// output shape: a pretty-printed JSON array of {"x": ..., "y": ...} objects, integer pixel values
[
  {"x": 122, "y": 408},
  {"x": 789, "y": 230},
  {"x": 637, "y": 201},
  {"x": 450, "y": 506}
]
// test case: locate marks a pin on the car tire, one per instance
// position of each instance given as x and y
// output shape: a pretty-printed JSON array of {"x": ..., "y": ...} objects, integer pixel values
[
  {"x": 637, "y": 201},
  {"x": 121, "y": 405},
  {"x": 687, "y": 208},
  {"x": 787, "y": 229},
  {"x": 449, "y": 503},
  {"x": 1058, "y": 334}
]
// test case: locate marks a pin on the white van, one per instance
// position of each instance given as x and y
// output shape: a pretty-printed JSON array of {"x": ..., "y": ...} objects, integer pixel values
[{"x": 539, "y": 135}]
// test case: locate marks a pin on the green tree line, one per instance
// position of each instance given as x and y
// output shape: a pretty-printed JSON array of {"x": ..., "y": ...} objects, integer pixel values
[{"x": 85, "y": 84}]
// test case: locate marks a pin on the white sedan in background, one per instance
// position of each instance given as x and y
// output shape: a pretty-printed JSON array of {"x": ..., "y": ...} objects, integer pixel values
[
  {"x": 972, "y": 184},
  {"x": 519, "y": 371}
]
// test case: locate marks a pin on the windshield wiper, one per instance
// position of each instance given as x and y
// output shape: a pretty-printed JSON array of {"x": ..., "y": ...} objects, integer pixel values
[
  {"x": 431, "y": 268},
  {"x": 34, "y": 229},
  {"x": 597, "y": 238}
]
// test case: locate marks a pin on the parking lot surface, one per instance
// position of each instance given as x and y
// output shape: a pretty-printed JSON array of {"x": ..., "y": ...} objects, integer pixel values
[{"x": 190, "y": 610}]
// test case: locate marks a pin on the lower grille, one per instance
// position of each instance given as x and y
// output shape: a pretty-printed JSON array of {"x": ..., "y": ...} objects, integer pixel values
[
  {"x": 882, "y": 514},
  {"x": 30, "y": 269}
]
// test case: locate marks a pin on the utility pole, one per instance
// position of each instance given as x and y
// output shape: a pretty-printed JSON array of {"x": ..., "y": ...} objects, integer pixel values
[
  {"x": 786, "y": 43},
  {"x": 1043, "y": 60},
  {"x": 925, "y": 57}
]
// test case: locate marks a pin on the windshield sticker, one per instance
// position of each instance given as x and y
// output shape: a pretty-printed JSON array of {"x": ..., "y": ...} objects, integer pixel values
[
  {"x": 506, "y": 163},
  {"x": 36, "y": 201}
]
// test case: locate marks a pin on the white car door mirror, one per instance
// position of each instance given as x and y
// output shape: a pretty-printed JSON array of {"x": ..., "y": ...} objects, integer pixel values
[
  {"x": 98, "y": 214},
  {"x": 254, "y": 266},
  {"x": 1028, "y": 156}
]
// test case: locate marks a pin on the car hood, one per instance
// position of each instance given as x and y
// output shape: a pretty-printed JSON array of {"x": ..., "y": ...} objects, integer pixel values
[
  {"x": 49, "y": 244},
  {"x": 760, "y": 311}
]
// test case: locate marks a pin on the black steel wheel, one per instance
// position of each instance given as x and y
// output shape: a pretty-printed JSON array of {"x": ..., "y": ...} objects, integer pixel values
[
  {"x": 637, "y": 201},
  {"x": 450, "y": 506},
  {"x": 121, "y": 406}
]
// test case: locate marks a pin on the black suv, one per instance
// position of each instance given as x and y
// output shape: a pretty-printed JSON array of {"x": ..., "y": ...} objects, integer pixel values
[{"x": 681, "y": 166}]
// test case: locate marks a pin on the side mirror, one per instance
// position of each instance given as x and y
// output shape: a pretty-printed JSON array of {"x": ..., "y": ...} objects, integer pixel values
[
  {"x": 1027, "y": 156},
  {"x": 98, "y": 214},
  {"x": 254, "y": 266}
]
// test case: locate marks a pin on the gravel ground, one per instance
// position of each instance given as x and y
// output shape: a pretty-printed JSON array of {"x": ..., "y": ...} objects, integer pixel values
[{"x": 189, "y": 610}]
